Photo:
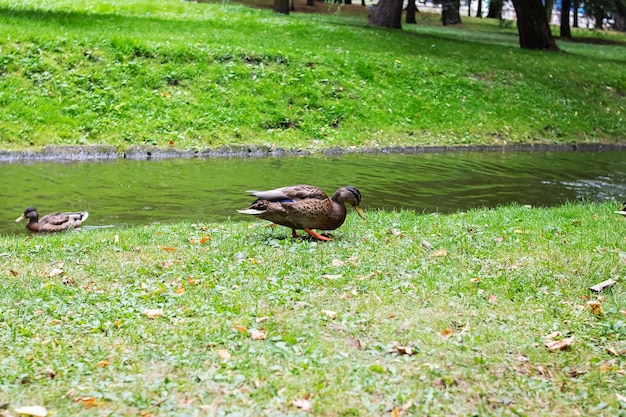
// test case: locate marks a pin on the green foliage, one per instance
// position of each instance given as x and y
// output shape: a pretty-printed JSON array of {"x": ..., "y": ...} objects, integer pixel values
[
  {"x": 439, "y": 314},
  {"x": 203, "y": 75}
]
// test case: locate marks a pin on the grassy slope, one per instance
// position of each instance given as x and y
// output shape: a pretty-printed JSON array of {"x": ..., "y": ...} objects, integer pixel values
[
  {"x": 476, "y": 310},
  {"x": 201, "y": 75}
]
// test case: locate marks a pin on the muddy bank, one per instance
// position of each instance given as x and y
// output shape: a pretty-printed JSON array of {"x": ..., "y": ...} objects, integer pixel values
[{"x": 105, "y": 152}]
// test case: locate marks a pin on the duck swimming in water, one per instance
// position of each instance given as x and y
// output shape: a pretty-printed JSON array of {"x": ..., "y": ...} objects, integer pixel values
[{"x": 56, "y": 222}]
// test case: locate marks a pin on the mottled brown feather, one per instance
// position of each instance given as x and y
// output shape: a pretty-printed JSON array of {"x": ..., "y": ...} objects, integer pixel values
[
  {"x": 304, "y": 206},
  {"x": 55, "y": 222}
]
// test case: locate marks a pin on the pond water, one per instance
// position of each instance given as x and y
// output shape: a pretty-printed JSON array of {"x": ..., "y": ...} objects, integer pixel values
[{"x": 130, "y": 192}]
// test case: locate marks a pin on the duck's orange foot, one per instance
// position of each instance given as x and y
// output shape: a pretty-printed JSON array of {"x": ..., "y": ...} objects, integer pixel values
[{"x": 317, "y": 235}]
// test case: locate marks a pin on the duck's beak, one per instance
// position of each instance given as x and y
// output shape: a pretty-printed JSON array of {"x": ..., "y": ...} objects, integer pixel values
[
  {"x": 19, "y": 219},
  {"x": 360, "y": 211}
]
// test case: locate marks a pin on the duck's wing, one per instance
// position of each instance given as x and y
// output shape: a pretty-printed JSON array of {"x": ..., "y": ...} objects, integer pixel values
[
  {"x": 70, "y": 219},
  {"x": 291, "y": 193}
]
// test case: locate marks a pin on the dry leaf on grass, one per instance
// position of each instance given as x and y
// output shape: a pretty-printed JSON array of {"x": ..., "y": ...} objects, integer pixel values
[
  {"x": 332, "y": 276},
  {"x": 329, "y": 313},
  {"x": 493, "y": 299},
  {"x": 261, "y": 319},
  {"x": 167, "y": 248},
  {"x": 223, "y": 353},
  {"x": 611, "y": 350},
  {"x": 427, "y": 244},
  {"x": 257, "y": 334},
  {"x": 596, "y": 307},
  {"x": 102, "y": 364},
  {"x": 561, "y": 344},
  {"x": 338, "y": 262},
  {"x": 303, "y": 404},
  {"x": 447, "y": 331},
  {"x": 621, "y": 397},
  {"x": 32, "y": 410},
  {"x": 55, "y": 272},
  {"x": 409, "y": 350},
  {"x": 153, "y": 313},
  {"x": 87, "y": 401},
  {"x": 240, "y": 328},
  {"x": 602, "y": 285}
]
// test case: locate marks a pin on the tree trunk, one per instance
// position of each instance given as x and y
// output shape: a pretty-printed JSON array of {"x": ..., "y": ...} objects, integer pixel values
[
  {"x": 532, "y": 25},
  {"x": 566, "y": 32},
  {"x": 479, "y": 12},
  {"x": 469, "y": 8},
  {"x": 388, "y": 14},
  {"x": 598, "y": 14},
  {"x": 281, "y": 6},
  {"x": 576, "y": 7},
  {"x": 620, "y": 16},
  {"x": 549, "y": 7},
  {"x": 450, "y": 14},
  {"x": 411, "y": 8},
  {"x": 495, "y": 9}
]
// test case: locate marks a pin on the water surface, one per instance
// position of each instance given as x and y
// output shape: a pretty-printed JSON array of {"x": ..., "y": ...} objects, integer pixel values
[{"x": 127, "y": 192}]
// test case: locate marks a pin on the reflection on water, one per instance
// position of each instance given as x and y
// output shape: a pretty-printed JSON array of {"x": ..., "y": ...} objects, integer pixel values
[{"x": 125, "y": 192}]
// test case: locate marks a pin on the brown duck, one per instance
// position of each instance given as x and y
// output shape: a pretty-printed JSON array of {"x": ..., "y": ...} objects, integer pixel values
[
  {"x": 305, "y": 207},
  {"x": 56, "y": 222}
]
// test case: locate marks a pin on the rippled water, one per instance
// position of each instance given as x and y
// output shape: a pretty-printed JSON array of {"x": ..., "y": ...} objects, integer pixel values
[{"x": 125, "y": 192}]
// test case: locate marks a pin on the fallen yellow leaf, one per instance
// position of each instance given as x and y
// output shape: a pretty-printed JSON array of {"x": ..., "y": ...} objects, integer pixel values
[
  {"x": 87, "y": 401},
  {"x": 102, "y": 364},
  {"x": 179, "y": 290},
  {"x": 240, "y": 328},
  {"x": 596, "y": 307},
  {"x": 167, "y": 248}
]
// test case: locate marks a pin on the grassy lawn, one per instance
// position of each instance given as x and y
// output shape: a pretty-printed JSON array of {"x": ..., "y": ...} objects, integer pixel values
[
  {"x": 197, "y": 75},
  {"x": 404, "y": 314}
]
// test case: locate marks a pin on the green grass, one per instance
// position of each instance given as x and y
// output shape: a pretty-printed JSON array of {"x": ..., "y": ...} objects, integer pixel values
[
  {"x": 189, "y": 75},
  {"x": 475, "y": 309}
]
